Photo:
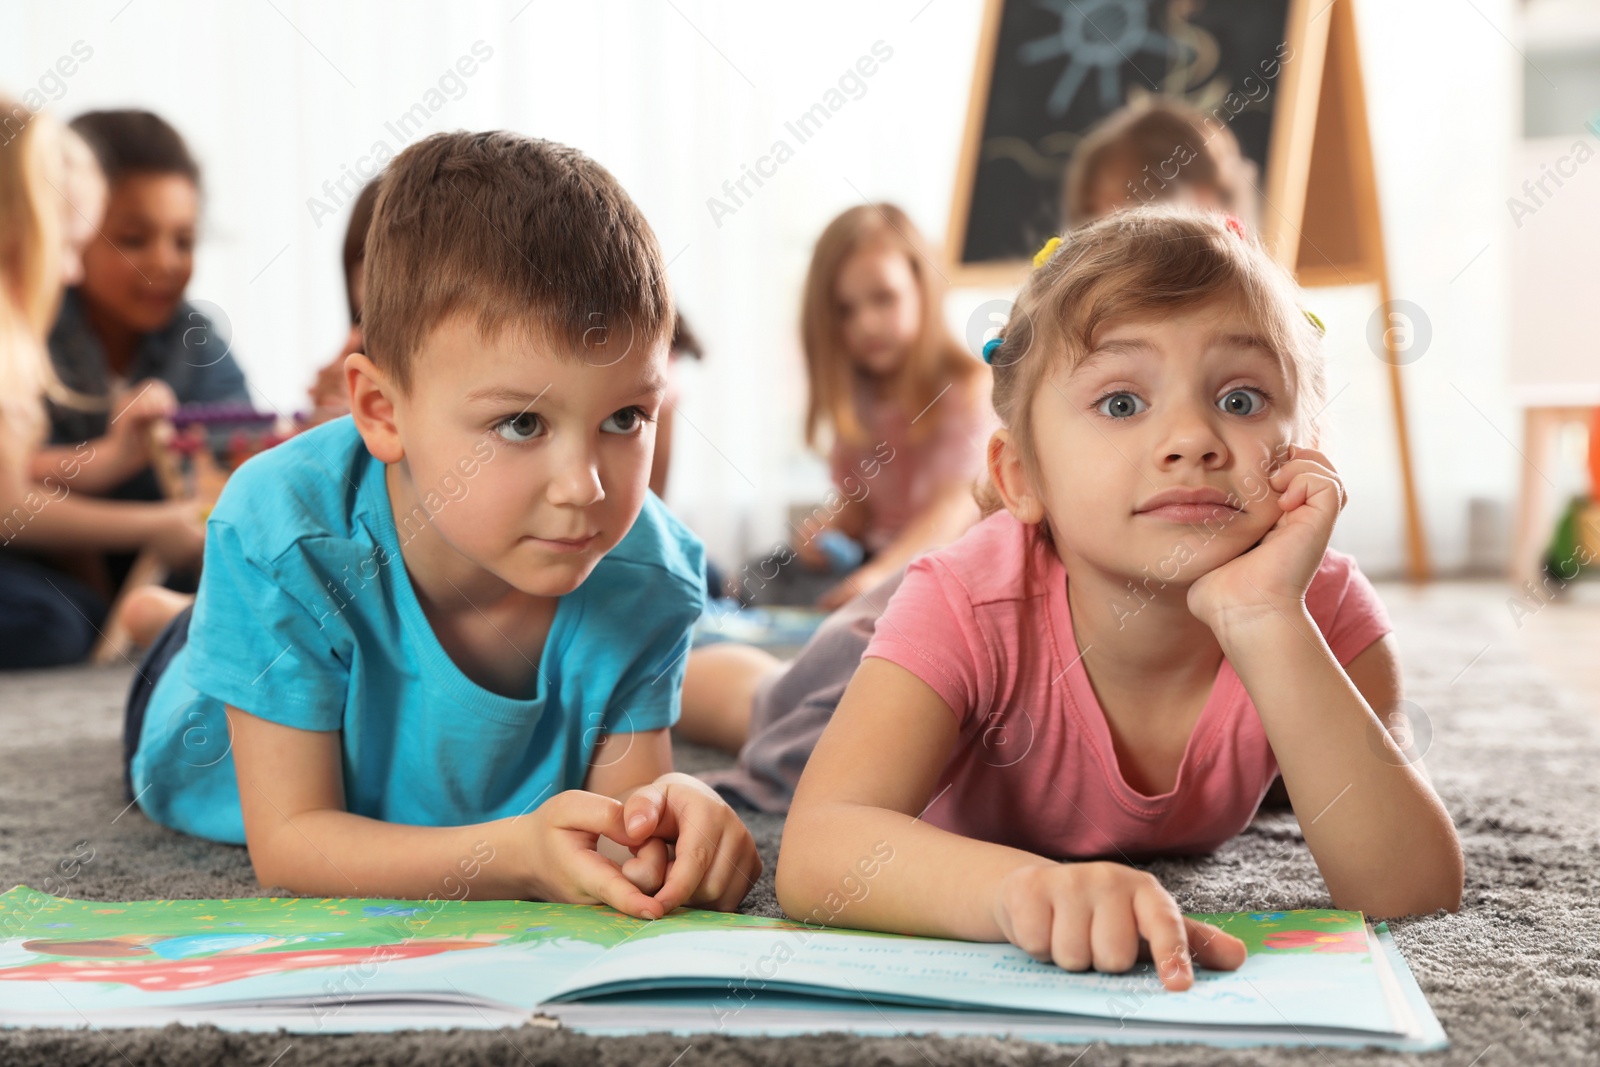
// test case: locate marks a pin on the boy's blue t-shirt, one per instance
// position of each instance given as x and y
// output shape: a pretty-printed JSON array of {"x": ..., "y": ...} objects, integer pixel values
[{"x": 306, "y": 617}]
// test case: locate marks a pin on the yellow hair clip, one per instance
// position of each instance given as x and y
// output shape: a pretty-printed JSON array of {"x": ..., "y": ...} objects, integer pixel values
[
  {"x": 1044, "y": 253},
  {"x": 1321, "y": 329}
]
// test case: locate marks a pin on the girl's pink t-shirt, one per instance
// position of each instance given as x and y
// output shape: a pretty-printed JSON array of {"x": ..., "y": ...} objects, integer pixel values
[{"x": 985, "y": 623}]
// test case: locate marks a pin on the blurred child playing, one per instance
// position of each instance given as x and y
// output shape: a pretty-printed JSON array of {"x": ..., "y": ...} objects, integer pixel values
[
  {"x": 908, "y": 411},
  {"x": 1148, "y": 625},
  {"x": 1158, "y": 150},
  {"x": 906, "y": 407},
  {"x": 146, "y": 611},
  {"x": 446, "y": 634},
  {"x": 51, "y": 197},
  {"x": 124, "y": 333},
  {"x": 329, "y": 400}
]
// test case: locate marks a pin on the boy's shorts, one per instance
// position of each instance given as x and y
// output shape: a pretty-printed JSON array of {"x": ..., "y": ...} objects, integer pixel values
[{"x": 154, "y": 665}]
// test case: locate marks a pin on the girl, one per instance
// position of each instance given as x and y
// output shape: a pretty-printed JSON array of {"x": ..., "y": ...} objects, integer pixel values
[
  {"x": 1147, "y": 625},
  {"x": 125, "y": 329},
  {"x": 906, "y": 406},
  {"x": 908, "y": 411},
  {"x": 47, "y": 618}
]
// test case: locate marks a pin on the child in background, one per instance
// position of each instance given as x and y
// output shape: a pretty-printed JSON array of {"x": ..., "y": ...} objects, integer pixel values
[
  {"x": 51, "y": 196},
  {"x": 125, "y": 334},
  {"x": 146, "y": 611},
  {"x": 906, "y": 406},
  {"x": 1116, "y": 662},
  {"x": 1158, "y": 150},
  {"x": 685, "y": 345},
  {"x": 467, "y": 616},
  {"x": 329, "y": 399}
]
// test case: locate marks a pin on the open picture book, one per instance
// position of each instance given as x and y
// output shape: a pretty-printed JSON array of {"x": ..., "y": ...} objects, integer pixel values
[{"x": 344, "y": 965}]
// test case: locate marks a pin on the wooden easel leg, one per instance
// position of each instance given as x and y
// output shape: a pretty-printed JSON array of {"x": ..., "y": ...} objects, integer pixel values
[{"x": 1418, "y": 566}]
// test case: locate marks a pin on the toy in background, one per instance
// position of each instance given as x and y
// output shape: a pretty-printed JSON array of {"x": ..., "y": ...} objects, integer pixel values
[
  {"x": 843, "y": 552},
  {"x": 212, "y": 440},
  {"x": 1574, "y": 549}
]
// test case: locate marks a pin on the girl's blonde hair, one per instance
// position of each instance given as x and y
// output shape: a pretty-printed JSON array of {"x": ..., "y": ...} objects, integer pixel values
[
  {"x": 1144, "y": 263},
  {"x": 936, "y": 357},
  {"x": 31, "y": 243}
]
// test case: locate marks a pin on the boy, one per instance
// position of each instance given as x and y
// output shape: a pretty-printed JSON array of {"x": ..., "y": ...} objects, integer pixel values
[{"x": 428, "y": 623}]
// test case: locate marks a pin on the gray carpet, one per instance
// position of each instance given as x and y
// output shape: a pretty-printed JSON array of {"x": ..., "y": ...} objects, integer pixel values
[{"x": 1514, "y": 977}]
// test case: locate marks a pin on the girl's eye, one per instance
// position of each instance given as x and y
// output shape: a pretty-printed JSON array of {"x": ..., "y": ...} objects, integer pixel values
[
  {"x": 626, "y": 421},
  {"x": 1123, "y": 405},
  {"x": 524, "y": 426},
  {"x": 1238, "y": 402}
]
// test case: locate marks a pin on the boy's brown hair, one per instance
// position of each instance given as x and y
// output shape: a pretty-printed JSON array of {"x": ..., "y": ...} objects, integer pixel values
[{"x": 513, "y": 231}]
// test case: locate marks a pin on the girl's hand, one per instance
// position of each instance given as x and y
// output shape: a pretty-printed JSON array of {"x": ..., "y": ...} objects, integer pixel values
[
  {"x": 1272, "y": 575},
  {"x": 142, "y": 402},
  {"x": 1106, "y": 916}
]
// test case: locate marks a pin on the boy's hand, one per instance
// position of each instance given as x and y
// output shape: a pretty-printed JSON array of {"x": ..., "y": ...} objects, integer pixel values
[
  {"x": 566, "y": 868},
  {"x": 647, "y": 867},
  {"x": 1106, "y": 916},
  {"x": 1273, "y": 575},
  {"x": 714, "y": 862}
]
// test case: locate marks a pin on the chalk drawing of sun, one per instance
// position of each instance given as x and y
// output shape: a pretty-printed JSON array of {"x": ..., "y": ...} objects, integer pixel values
[{"x": 1094, "y": 35}]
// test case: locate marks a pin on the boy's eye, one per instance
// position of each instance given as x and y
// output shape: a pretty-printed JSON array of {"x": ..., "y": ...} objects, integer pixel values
[
  {"x": 523, "y": 426},
  {"x": 626, "y": 421},
  {"x": 1238, "y": 402},
  {"x": 1123, "y": 405}
]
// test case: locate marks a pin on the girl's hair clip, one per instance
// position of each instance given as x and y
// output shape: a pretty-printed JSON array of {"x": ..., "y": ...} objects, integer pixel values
[
  {"x": 989, "y": 347},
  {"x": 1234, "y": 223},
  {"x": 1322, "y": 331},
  {"x": 1041, "y": 256}
]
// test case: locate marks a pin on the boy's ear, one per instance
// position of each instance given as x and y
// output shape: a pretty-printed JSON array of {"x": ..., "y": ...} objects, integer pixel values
[
  {"x": 372, "y": 406},
  {"x": 1011, "y": 480}
]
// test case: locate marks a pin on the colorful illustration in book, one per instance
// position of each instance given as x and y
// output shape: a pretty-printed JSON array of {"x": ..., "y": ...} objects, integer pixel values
[
  {"x": 187, "y": 944},
  {"x": 171, "y": 964}
]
